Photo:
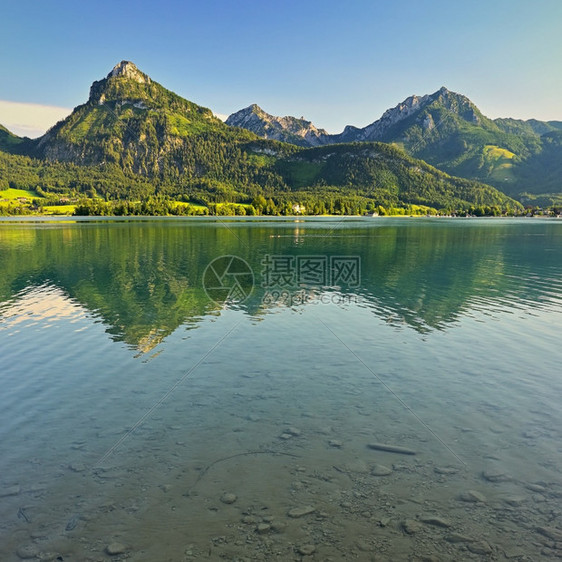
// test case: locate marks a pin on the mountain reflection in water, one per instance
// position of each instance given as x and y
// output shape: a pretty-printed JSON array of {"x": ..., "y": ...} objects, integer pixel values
[{"x": 144, "y": 279}]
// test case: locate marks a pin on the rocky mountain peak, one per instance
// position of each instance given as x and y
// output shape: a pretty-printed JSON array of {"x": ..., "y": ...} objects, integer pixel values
[
  {"x": 250, "y": 114},
  {"x": 125, "y": 69},
  {"x": 457, "y": 103},
  {"x": 391, "y": 117},
  {"x": 129, "y": 70},
  {"x": 285, "y": 129}
]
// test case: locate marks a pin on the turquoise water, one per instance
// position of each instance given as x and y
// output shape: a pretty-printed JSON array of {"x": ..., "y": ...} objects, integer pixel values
[{"x": 136, "y": 394}]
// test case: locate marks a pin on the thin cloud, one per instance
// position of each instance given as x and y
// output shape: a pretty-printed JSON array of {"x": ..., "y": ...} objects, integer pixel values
[
  {"x": 30, "y": 119},
  {"x": 221, "y": 116}
]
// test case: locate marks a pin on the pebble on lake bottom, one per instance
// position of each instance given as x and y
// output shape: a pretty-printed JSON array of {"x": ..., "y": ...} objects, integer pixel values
[
  {"x": 228, "y": 498},
  {"x": 480, "y": 547},
  {"x": 263, "y": 528},
  {"x": 536, "y": 488},
  {"x": 297, "y": 512},
  {"x": 115, "y": 548},
  {"x": 27, "y": 551},
  {"x": 514, "y": 501},
  {"x": 495, "y": 476},
  {"x": 306, "y": 549},
  {"x": 435, "y": 521},
  {"x": 472, "y": 496},
  {"x": 380, "y": 470},
  {"x": 411, "y": 526},
  {"x": 278, "y": 526},
  {"x": 457, "y": 538}
]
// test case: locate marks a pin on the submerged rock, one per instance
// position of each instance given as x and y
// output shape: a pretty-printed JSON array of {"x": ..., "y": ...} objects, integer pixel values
[
  {"x": 436, "y": 521},
  {"x": 455, "y": 538},
  {"x": 480, "y": 547},
  {"x": 514, "y": 501},
  {"x": 297, "y": 512},
  {"x": 472, "y": 496},
  {"x": 115, "y": 548},
  {"x": 278, "y": 526},
  {"x": 495, "y": 476},
  {"x": 228, "y": 498},
  {"x": 263, "y": 528},
  {"x": 293, "y": 431},
  {"x": 380, "y": 470},
  {"x": 411, "y": 526},
  {"x": 536, "y": 488},
  {"x": 27, "y": 551},
  {"x": 391, "y": 448}
]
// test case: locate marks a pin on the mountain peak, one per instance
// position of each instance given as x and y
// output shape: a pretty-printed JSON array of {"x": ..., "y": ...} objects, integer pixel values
[
  {"x": 253, "y": 109},
  {"x": 285, "y": 129},
  {"x": 129, "y": 70},
  {"x": 118, "y": 83},
  {"x": 445, "y": 93}
]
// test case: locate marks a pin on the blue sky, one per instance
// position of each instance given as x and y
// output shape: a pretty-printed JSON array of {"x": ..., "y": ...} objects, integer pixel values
[{"x": 334, "y": 63}]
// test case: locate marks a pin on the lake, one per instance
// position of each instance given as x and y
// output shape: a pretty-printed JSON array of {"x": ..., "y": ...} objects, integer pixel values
[{"x": 284, "y": 389}]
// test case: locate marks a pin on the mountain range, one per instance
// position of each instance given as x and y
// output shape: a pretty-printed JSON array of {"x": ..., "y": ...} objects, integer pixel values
[
  {"x": 134, "y": 139},
  {"x": 446, "y": 130}
]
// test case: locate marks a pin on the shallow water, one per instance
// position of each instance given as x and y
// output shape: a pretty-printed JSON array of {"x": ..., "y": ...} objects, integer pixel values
[{"x": 131, "y": 402}]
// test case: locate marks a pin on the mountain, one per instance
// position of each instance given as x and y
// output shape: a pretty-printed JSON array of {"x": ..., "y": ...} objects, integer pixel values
[
  {"x": 133, "y": 139},
  {"x": 132, "y": 121},
  {"x": 393, "y": 124},
  {"x": 285, "y": 129},
  {"x": 383, "y": 173},
  {"x": 531, "y": 126},
  {"x": 427, "y": 112},
  {"x": 447, "y": 130},
  {"x": 133, "y": 126},
  {"x": 8, "y": 141}
]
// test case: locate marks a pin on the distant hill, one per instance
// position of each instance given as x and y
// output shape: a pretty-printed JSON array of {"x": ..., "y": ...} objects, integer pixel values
[{"x": 384, "y": 173}]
